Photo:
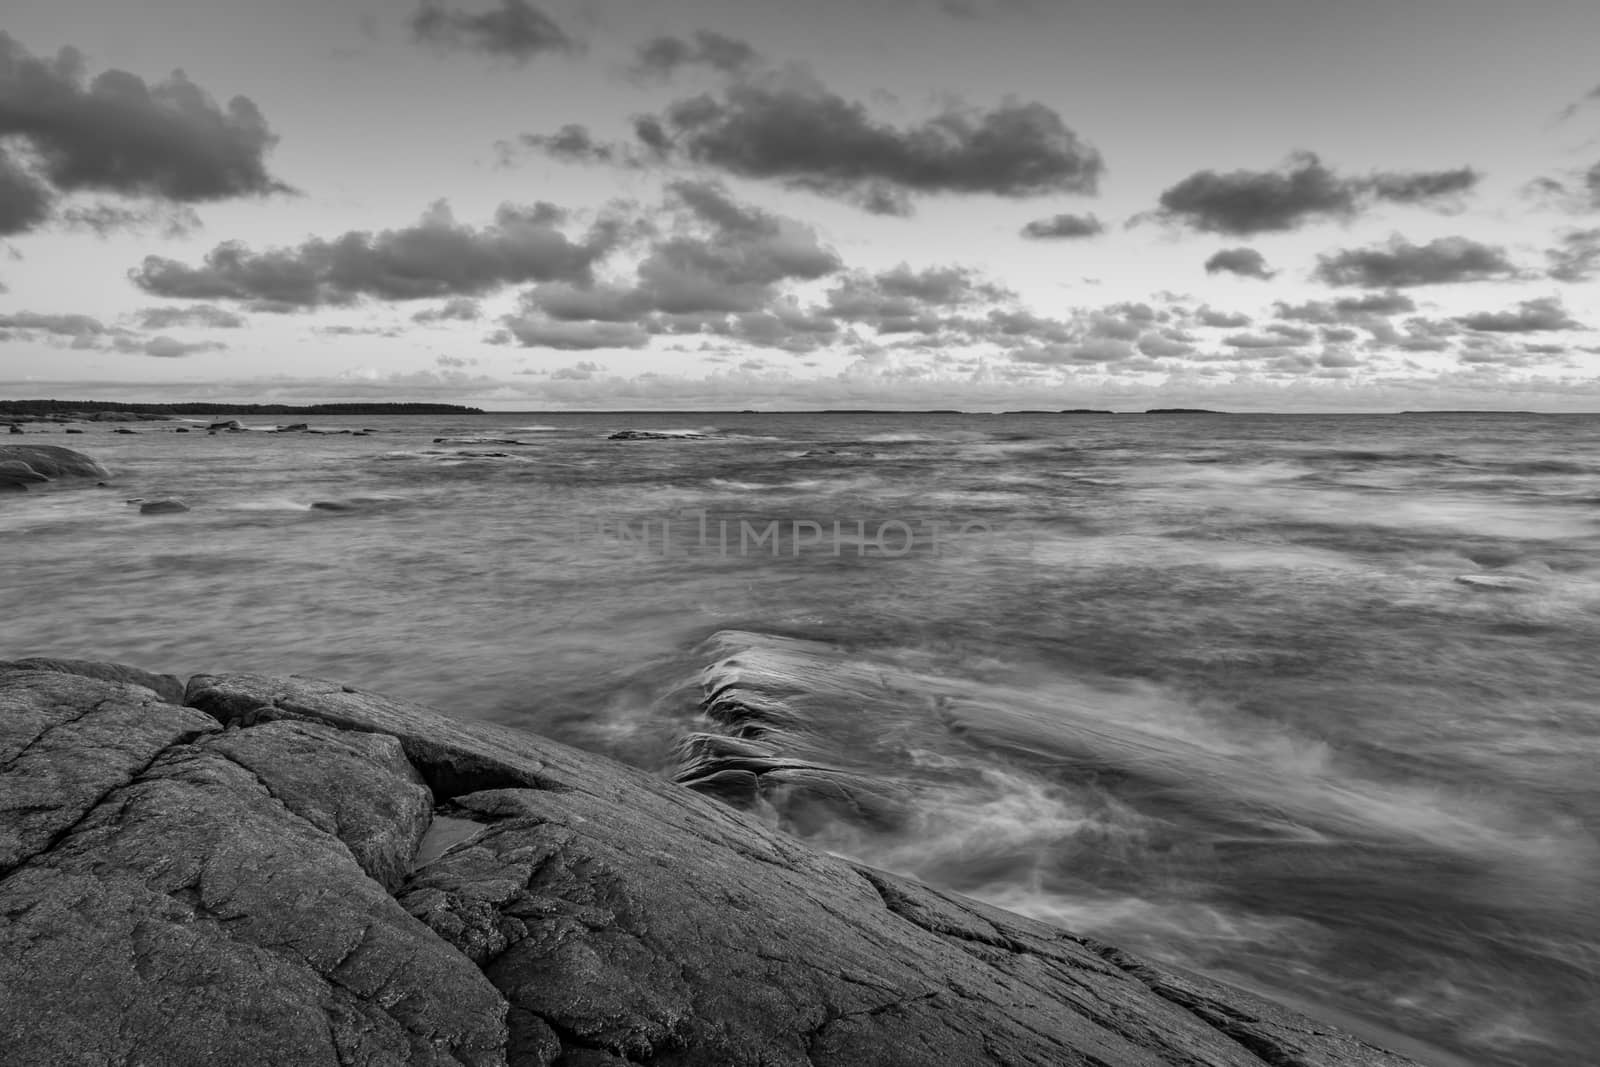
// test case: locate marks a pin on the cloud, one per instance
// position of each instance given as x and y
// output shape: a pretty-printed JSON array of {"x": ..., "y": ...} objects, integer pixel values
[
  {"x": 1531, "y": 316},
  {"x": 164, "y": 347},
  {"x": 1063, "y": 227},
  {"x": 1577, "y": 258},
  {"x": 572, "y": 143},
  {"x": 456, "y": 309},
  {"x": 1245, "y": 262},
  {"x": 789, "y": 128},
  {"x": 902, "y": 300},
  {"x": 1401, "y": 264},
  {"x": 1303, "y": 190},
  {"x": 515, "y": 30},
  {"x": 67, "y": 325},
  {"x": 576, "y": 336},
  {"x": 25, "y": 201},
  {"x": 164, "y": 318},
  {"x": 167, "y": 140},
  {"x": 719, "y": 270},
  {"x": 662, "y": 57},
  {"x": 437, "y": 257},
  {"x": 1357, "y": 309},
  {"x": 170, "y": 220},
  {"x": 1227, "y": 320}
]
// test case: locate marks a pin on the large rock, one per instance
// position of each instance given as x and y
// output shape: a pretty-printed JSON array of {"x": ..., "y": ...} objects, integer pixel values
[
  {"x": 238, "y": 881},
  {"x": 53, "y": 461}
]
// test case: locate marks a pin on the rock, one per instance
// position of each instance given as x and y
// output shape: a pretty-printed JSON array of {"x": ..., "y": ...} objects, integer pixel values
[
  {"x": 654, "y": 435},
  {"x": 162, "y": 507},
  {"x": 293, "y": 427},
  {"x": 291, "y": 871},
  {"x": 15, "y": 429},
  {"x": 357, "y": 503},
  {"x": 168, "y": 687},
  {"x": 124, "y": 429},
  {"x": 25, "y": 465},
  {"x": 53, "y": 461},
  {"x": 73, "y": 429},
  {"x": 19, "y": 474},
  {"x": 180, "y": 429},
  {"x": 231, "y": 425},
  {"x": 476, "y": 440}
]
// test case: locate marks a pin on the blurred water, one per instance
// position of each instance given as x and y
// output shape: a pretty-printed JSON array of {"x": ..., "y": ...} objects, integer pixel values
[{"x": 1206, "y": 686}]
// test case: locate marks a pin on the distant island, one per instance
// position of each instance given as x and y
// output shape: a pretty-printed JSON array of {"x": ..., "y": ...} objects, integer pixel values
[
  {"x": 1182, "y": 411},
  {"x": 64, "y": 407}
]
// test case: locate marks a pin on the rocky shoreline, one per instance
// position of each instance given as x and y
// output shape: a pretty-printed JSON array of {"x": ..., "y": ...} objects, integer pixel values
[{"x": 251, "y": 870}]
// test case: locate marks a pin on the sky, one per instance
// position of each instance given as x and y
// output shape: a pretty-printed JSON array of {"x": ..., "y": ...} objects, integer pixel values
[{"x": 1273, "y": 205}]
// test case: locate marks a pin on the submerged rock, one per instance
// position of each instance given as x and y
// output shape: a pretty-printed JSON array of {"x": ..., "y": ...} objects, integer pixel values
[
  {"x": 162, "y": 507},
  {"x": 654, "y": 435},
  {"x": 357, "y": 503},
  {"x": 256, "y": 878}
]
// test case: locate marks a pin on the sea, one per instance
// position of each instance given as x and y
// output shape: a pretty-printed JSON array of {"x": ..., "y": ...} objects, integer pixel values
[{"x": 1309, "y": 703}]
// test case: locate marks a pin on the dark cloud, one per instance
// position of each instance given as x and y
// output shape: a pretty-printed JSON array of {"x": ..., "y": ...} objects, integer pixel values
[
  {"x": 789, "y": 128},
  {"x": 1577, "y": 258},
  {"x": 515, "y": 30},
  {"x": 1531, "y": 316},
  {"x": 662, "y": 57},
  {"x": 1303, "y": 190},
  {"x": 1063, "y": 227},
  {"x": 1401, "y": 264},
  {"x": 1245, "y": 262},
  {"x": 25, "y": 201},
  {"x": 437, "y": 257},
  {"x": 164, "y": 318},
  {"x": 168, "y": 140}
]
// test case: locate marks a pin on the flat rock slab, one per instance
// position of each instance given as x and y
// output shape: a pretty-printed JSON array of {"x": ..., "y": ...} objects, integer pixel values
[{"x": 238, "y": 880}]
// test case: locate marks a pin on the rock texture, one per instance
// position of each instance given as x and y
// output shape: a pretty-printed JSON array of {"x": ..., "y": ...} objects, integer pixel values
[
  {"x": 232, "y": 875},
  {"x": 52, "y": 461}
]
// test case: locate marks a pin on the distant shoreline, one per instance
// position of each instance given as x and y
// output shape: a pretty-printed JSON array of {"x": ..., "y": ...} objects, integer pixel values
[
  {"x": 33, "y": 408},
  {"x": 72, "y": 407}
]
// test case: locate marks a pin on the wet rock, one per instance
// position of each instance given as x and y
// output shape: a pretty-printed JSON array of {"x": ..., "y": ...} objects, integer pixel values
[
  {"x": 231, "y": 426},
  {"x": 162, "y": 507},
  {"x": 73, "y": 429},
  {"x": 17, "y": 474},
  {"x": 14, "y": 428},
  {"x": 293, "y": 427},
  {"x": 124, "y": 429},
  {"x": 253, "y": 878},
  {"x": 653, "y": 435},
  {"x": 357, "y": 503},
  {"x": 53, "y": 461},
  {"x": 180, "y": 429}
]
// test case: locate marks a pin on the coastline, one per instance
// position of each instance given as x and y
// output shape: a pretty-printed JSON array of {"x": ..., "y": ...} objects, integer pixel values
[{"x": 577, "y": 910}]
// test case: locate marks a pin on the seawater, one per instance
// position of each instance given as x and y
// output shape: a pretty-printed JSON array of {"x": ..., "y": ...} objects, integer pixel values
[{"x": 1305, "y": 702}]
